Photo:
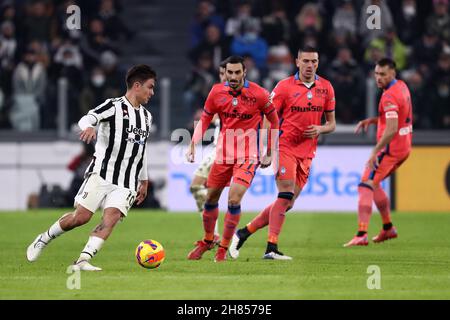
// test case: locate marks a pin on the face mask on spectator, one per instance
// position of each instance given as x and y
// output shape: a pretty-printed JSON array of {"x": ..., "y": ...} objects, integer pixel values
[
  {"x": 444, "y": 91},
  {"x": 409, "y": 10},
  {"x": 250, "y": 36},
  {"x": 98, "y": 80}
]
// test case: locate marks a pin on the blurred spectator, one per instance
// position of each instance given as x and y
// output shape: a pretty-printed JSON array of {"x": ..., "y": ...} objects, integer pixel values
[
  {"x": 8, "y": 47},
  {"x": 345, "y": 19},
  {"x": 96, "y": 42},
  {"x": 442, "y": 71},
  {"x": 69, "y": 64},
  {"x": 348, "y": 82},
  {"x": 199, "y": 82},
  {"x": 309, "y": 18},
  {"x": 205, "y": 16},
  {"x": 242, "y": 17},
  {"x": 279, "y": 65},
  {"x": 96, "y": 91},
  {"x": 213, "y": 44},
  {"x": 309, "y": 26},
  {"x": 276, "y": 26},
  {"x": 439, "y": 20},
  {"x": 373, "y": 55},
  {"x": 251, "y": 43},
  {"x": 251, "y": 70},
  {"x": 114, "y": 77},
  {"x": 409, "y": 20},
  {"x": 114, "y": 26},
  {"x": 39, "y": 23},
  {"x": 392, "y": 47},
  {"x": 439, "y": 102},
  {"x": 385, "y": 18},
  {"x": 421, "y": 112},
  {"x": 440, "y": 92},
  {"x": 426, "y": 52},
  {"x": 42, "y": 54},
  {"x": 29, "y": 83}
]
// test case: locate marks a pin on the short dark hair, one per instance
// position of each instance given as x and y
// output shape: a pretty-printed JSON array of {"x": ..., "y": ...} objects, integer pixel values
[
  {"x": 307, "y": 49},
  {"x": 234, "y": 60},
  {"x": 223, "y": 64},
  {"x": 387, "y": 62},
  {"x": 139, "y": 73}
]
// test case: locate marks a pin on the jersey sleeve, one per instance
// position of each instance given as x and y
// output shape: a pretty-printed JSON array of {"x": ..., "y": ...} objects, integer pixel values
[
  {"x": 143, "y": 174},
  {"x": 331, "y": 99},
  {"x": 210, "y": 107},
  {"x": 103, "y": 111},
  {"x": 265, "y": 103},
  {"x": 389, "y": 106}
]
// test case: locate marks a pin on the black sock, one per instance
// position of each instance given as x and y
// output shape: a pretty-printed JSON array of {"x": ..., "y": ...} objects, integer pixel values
[
  {"x": 208, "y": 241},
  {"x": 361, "y": 233},
  {"x": 387, "y": 226},
  {"x": 271, "y": 247},
  {"x": 244, "y": 233}
]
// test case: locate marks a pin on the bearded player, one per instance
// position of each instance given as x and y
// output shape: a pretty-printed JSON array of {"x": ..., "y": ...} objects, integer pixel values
[
  {"x": 198, "y": 185},
  {"x": 240, "y": 105},
  {"x": 394, "y": 138},
  {"x": 301, "y": 101}
]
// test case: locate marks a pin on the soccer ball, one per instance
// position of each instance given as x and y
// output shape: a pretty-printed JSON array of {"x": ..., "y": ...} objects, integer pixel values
[{"x": 150, "y": 254}]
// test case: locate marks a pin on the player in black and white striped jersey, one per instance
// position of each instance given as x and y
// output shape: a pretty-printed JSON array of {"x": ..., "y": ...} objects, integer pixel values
[{"x": 117, "y": 176}]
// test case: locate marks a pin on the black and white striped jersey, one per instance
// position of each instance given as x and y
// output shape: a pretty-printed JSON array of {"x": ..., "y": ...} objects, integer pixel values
[{"x": 120, "y": 156}]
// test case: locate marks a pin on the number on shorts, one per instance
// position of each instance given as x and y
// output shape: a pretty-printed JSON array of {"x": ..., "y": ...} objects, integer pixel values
[{"x": 130, "y": 199}]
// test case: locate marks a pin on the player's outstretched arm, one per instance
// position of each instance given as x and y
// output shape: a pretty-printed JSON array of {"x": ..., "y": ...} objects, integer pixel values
[
  {"x": 199, "y": 131},
  {"x": 364, "y": 124},
  {"x": 87, "y": 126},
  {"x": 386, "y": 138},
  {"x": 142, "y": 191},
  {"x": 271, "y": 118}
]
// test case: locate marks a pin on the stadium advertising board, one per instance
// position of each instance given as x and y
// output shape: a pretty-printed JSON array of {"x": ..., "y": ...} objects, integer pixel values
[
  {"x": 423, "y": 181},
  {"x": 333, "y": 183}
]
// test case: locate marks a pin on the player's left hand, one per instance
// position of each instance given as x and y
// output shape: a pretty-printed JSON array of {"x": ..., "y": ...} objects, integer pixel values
[
  {"x": 373, "y": 162},
  {"x": 142, "y": 191},
  {"x": 265, "y": 161},
  {"x": 312, "y": 132}
]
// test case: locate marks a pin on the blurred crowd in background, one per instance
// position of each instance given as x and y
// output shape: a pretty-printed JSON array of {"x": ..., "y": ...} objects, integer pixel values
[
  {"x": 268, "y": 33},
  {"x": 36, "y": 49}
]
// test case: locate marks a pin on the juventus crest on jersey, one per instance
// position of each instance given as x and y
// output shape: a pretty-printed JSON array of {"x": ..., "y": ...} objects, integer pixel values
[{"x": 120, "y": 155}]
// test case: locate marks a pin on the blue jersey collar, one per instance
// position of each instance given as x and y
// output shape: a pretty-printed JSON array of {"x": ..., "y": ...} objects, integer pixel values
[
  {"x": 391, "y": 83},
  {"x": 297, "y": 76}
]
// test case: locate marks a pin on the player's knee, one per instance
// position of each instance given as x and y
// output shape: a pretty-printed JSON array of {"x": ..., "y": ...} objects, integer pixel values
[
  {"x": 367, "y": 184},
  {"x": 212, "y": 197},
  {"x": 198, "y": 190},
  {"x": 195, "y": 187},
  {"x": 234, "y": 202}
]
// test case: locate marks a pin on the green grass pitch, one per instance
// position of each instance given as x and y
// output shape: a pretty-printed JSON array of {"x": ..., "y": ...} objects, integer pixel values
[{"x": 414, "y": 266}]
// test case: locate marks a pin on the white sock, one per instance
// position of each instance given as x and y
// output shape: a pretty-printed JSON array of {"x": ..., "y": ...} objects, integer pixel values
[
  {"x": 54, "y": 231},
  {"x": 93, "y": 245},
  {"x": 216, "y": 227}
]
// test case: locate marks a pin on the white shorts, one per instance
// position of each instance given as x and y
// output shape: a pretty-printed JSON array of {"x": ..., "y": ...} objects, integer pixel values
[
  {"x": 95, "y": 192},
  {"x": 205, "y": 166}
]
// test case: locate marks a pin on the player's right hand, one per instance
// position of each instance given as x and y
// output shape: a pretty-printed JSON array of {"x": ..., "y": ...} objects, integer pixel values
[
  {"x": 363, "y": 124},
  {"x": 265, "y": 161},
  {"x": 190, "y": 154},
  {"x": 88, "y": 135}
]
